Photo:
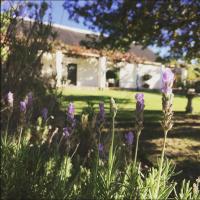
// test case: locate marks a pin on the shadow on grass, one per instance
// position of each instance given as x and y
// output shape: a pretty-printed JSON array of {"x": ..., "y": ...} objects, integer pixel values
[
  {"x": 93, "y": 99},
  {"x": 189, "y": 170}
]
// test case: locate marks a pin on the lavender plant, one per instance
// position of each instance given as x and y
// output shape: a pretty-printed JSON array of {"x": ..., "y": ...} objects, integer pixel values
[
  {"x": 138, "y": 120},
  {"x": 188, "y": 192},
  {"x": 167, "y": 103},
  {"x": 35, "y": 171}
]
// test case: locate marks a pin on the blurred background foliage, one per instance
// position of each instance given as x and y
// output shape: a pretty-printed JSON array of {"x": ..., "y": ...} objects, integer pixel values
[
  {"x": 24, "y": 39},
  {"x": 171, "y": 24}
]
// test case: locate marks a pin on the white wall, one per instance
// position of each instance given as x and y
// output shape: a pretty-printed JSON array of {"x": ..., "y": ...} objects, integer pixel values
[
  {"x": 49, "y": 65},
  {"x": 127, "y": 76},
  {"x": 87, "y": 72},
  {"x": 102, "y": 65},
  {"x": 59, "y": 67},
  {"x": 49, "y": 68},
  {"x": 131, "y": 75},
  {"x": 154, "y": 71}
]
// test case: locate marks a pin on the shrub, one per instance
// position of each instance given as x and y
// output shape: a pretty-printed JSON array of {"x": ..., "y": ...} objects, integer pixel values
[
  {"x": 146, "y": 77},
  {"x": 145, "y": 85}
]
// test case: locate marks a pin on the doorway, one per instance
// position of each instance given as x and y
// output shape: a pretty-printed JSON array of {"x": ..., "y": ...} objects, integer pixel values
[
  {"x": 72, "y": 73},
  {"x": 112, "y": 77}
]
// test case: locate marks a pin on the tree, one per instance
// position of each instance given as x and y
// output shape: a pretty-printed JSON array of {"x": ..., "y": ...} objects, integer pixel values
[
  {"x": 23, "y": 43},
  {"x": 162, "y": 22}
]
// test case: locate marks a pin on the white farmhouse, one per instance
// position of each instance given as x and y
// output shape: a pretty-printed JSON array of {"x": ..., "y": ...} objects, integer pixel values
[{"x": 75, "y": 65}]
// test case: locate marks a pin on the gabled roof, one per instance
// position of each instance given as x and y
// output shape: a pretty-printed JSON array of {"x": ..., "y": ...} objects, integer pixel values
[
  {"x": 70, "y": 36},
  {"x": 70, "y": 39},
  {"x": 147, "y": 54},
  {"x": 74, "y": 36}
]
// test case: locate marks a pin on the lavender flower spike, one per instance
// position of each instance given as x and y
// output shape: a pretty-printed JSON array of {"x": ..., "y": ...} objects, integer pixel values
[
  {"x": 22, "y": 106},
  {"x": 113, "y": 107},
  {"x": 138, "y": 120},
  {"x": 167, "y": 81},
  {"x": 29, "y": 99},
  {"x": 71, "y": 110},
  {"x": 65, "y": 132},
  {"x": 44, "y": 113},
  {"x": 139, "y": 109},
  {"x": 129, "y": 138},
  {"x": 167, "y": 99},
  {"x": 138, "y": 5},
  {"x": 167, "y": 104},
  {"x": 101, "y": 114},
  {"x": 10, "y": 99},
  {"x": 101, "y": 108},
  {"x": 140, "y": 102},
  {"x": 71, "y": 121},
  {"x": 100, "y": 147}
]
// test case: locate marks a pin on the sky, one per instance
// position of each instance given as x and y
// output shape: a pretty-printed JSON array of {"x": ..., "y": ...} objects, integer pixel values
[{"x": 60, "y": 16}]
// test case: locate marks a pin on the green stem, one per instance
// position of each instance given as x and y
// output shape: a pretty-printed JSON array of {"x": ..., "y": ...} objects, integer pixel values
[
  {"x": 113, "y": 133},
  {"x": 7, "y": 126},
  {"x": 161, "y": 164},
  {"x": 95, "y": 176},
  {"x": 61, "y": 139},
  {"x": 136, "y": 147},
  {"x": 97, "y": 165},
  {"x": 20, "y": 136},
  {"x": 110, "y": 162}
]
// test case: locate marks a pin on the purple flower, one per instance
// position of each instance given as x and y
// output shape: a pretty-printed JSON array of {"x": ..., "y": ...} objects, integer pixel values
[
  {"x": 100, "y": 147},
  {"x": 140, "y": 102},
  {"x": 139, "y": 112},
  {"x": 29, "y": 99},
  {"x": 71, "y": 121},
  {"x": 101, "y": 108},
  {"x": 22, "y": 106},
  {"x": 129, "y": 138},
  {"x": 71, "y": 110},
  {"x": 138, "y": 5},
  {"x": 167, "y": 81},
  {"x": 101, "y": 114},
  {"x": 10, "y": 99},
  {"x": 45, "y": 113},
  {"x": 168, "y": 75},
  {"x": 65, "y": 132},
  {"x": 139, "y": 97}
]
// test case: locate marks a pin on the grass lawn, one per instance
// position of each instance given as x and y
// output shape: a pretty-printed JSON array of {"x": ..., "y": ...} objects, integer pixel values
[
  {"x": 125, "y": 101},
  {"x": 183, "y": 140}
]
